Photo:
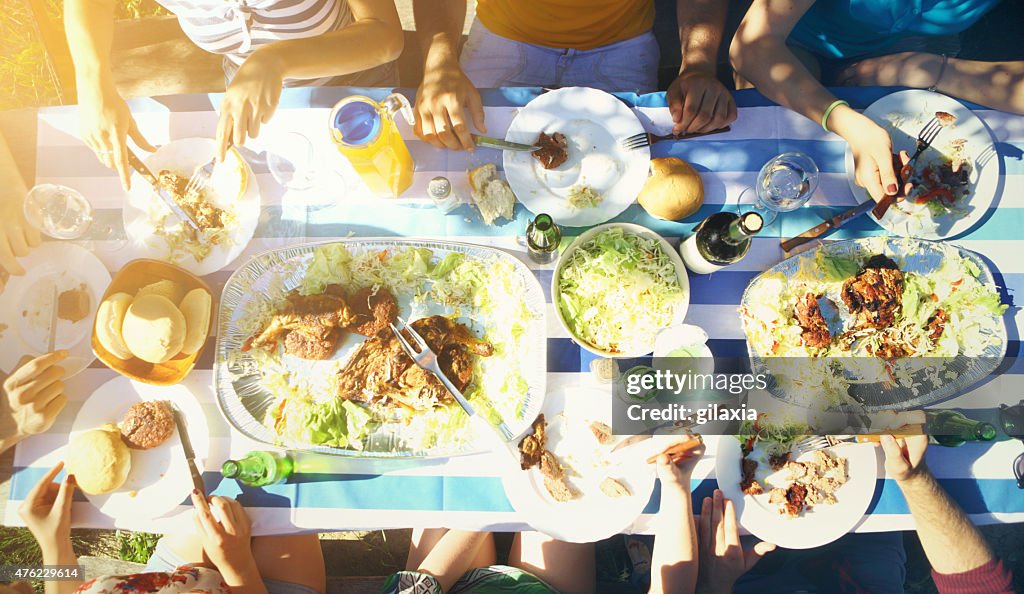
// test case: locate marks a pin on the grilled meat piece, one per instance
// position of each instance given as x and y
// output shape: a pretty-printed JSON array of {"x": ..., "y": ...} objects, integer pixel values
[
  {"x": 945, "y": 118},
  {"x": 748, "y": 484},
  {"x": 315, "y": 344},
  {"x": 875, "y": 294},
  {"x": 796, "y": 496},
  {"x": 318, "y": 317},
  {"x": 375, "y": 309},
  {"x": 147, "y": 424},
  {"x": 553, "y": 151},
  {"x": 441, "y": 331},
  {"x": 531, "y": 447},
  {"x": 808, "y": 315},
  {"x": 890, "y": 350},
  {"x": 777, "y": 461}
]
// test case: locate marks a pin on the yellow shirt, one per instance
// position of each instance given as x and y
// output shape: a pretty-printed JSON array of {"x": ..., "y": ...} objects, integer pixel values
[{"x": 570, "y": 24}]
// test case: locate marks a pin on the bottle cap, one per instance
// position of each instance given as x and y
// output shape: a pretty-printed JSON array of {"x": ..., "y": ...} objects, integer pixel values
[
  {"x": 357, "y": 123},
  {"x": 751, "y": 221}
]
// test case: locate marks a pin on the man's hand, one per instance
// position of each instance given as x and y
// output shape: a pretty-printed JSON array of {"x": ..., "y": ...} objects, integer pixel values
[
  {"x": 106, "y": 125},
  {"x": 33, "y": 395},
  {"x": 440, "y": 100},
  {"x": 16, "y": 235},
  {"x": 699, "y": 103},
  {"x": 47, "y": 513},
  {"x": 722, "y": 558},
  {"x": 225, "y": 530},
  {"x": 904, "y": 456},
  {"x": 250, "y": 100}
]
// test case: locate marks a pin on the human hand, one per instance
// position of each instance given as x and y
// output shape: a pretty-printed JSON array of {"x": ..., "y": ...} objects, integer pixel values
[
  {"x": 440, "y": 100},
  {"x": 46, "y": 512},
  {"x": 249, "y": 101},
  {"x": 675, "y": 469},
  {"x": 904, "y": 456},
  {"x": 698, "y": 102},
  {"x": 722, "y": 559},
  {"x": 33, "y": 395},
  {"x": 872, "y": 154},
  {"x": 106, "y": 124},
  {"x": 225, "y": 529},
  {"x": 16, "y": 235}
]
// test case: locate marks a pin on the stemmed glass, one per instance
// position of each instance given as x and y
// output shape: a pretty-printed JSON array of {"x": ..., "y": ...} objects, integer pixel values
[
  {"x": 292, "y": 163},
  {"x": 64, "y": 213},
  {"x": 785, "y": 183}
]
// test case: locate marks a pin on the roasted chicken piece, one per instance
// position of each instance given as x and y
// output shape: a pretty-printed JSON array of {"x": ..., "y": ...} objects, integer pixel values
[
  {"x": 808, "y": 315},
  {"x": 553, "y": 151},
  {"x": 531, "y": 447},
  {"x": 875, "y": 295},
  {"x": 748, "y": 482},
  {"x": 376, "y": 310}
]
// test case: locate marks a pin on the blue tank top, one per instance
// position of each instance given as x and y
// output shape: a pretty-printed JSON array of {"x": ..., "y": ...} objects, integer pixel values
[{"x": 855, "y": 28}]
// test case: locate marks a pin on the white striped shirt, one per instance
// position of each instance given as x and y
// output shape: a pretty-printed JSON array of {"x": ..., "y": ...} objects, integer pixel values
[{"x": 236, "y": 28}]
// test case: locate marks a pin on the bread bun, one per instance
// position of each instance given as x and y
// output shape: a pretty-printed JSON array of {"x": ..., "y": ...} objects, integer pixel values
[
  {"x": 154, "y": 329},
  {"x": 673, "y": 190},
  {"x": 99, "y": 460},
  {"x": 164, "y": 288},
  {"x": 196, "y": 309},
  {"x": 109, "y": 319}
]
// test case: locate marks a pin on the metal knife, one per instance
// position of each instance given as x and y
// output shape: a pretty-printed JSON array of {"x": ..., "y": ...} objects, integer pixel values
[
  {"x": 164, "y": 195},
  {"x": 834, "y": 223},
  {"x": 190, "y": 455},
  {"x": 504, "y": 145},
  {"x": 51, "y": 340}
]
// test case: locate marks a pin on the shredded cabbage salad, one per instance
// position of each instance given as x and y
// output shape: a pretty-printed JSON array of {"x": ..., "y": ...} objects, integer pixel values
[
  {"x": 485, "y": 293},
  {"x": 618, "y": 290}
]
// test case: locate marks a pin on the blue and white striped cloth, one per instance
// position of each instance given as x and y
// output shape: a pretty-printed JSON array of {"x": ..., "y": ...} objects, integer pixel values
[{"x": 464, "y": 492}]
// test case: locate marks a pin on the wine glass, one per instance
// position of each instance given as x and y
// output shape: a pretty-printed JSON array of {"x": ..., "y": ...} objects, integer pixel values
[
  {"x": 292, "y": 163},
  {"x": 64, "y": 213},
  {"x": 785, "y": 183}
]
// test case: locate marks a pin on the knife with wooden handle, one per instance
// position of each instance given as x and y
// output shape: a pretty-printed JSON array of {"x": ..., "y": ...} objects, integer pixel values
[{"x": 834, "y": 223}]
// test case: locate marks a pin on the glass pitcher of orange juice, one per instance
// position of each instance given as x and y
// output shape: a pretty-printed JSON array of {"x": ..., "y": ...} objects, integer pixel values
[{"x": 365, "y": 132}]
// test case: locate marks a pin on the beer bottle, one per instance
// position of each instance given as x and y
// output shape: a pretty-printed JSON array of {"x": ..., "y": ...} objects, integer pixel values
[
  {"x": 543, "y": 238},
  {"x": 259, "y": 468},
  {"x": 952, "y": 428}
]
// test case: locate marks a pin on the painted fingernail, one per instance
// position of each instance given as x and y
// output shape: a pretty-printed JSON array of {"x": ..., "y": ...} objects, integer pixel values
[
  {"x": 71, "y": 480},
  {"x": 195, "y": 491},
  {"x": 891, "y": 188}
]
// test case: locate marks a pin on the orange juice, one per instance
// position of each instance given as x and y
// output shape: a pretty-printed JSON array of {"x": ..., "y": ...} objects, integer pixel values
[{"x": 365, "y": 132}]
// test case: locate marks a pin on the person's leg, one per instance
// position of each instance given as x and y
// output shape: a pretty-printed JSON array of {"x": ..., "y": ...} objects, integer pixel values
[
  {"x": 294, "y": 559},
  {"x": 567, "y": 567},
  {"x": 630, "y": 65},
  {"x": 491, "y": 61}
]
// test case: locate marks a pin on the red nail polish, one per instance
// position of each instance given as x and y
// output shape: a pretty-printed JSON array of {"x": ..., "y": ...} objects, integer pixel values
[
  {"x": 892, "y": 188},
  {"x": 195, "y": 491}
]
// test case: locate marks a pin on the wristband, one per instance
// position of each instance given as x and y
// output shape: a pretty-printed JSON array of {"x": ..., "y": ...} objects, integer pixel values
[{"x": 828, "y": 112}]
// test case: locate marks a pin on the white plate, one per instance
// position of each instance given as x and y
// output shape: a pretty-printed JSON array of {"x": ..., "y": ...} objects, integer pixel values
[
  {"x": 159, "y": 479},
  {"x": 593, "y": 123},
  {"x": 594, "y": 516},
  {"x": 903, "y": 114},
  {"x": 26, "y": 305},
  {"x": 813, "y": 528},
  {"x": 673, "y": 255},
  {"x": 143, "y": 207}
]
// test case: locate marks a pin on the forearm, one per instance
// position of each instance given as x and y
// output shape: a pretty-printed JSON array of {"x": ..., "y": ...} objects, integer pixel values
[
  {"x": 780, "y": 76},
  {"x": 950, "y": 541},
  {"x": 60, "y": 554},
  {"x": 362, "y": 45},
  {"x": 700, "y": 33},
  {"x": 674, "y": 559},
  {"x": 89, "y": 26},
  {"x": 439, "y": 26},
  {"x": 999, "y": 85}
]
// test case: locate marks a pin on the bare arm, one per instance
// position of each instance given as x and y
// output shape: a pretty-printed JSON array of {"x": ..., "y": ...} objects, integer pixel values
[
  {"x": 445, "y": 90},
  {"x": 697, "y": 100},
  {"x": 674, "y": 559},
  {"x": 16, "y": 235},
  {"x": 759, "y": 54}
]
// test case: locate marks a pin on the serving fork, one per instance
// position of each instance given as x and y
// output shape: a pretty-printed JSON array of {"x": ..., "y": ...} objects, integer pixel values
[
  {"x": 643, "y": 139},
  {"x": 925, "y": 138},
  {"x": 427, "y": 359}
]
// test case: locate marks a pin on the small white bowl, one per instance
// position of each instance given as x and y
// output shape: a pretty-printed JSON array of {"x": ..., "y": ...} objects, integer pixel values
[{"x": 634, "y": 229}]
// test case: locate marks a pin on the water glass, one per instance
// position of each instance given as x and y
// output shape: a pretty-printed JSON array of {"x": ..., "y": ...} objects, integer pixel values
[
  {"x": 58, "y": 211},
  {"x": 785, "y": 183},
  {"x": 292, "y": 161}
]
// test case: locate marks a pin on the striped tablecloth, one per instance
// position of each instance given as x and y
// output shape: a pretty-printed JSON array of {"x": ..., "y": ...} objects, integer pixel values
[{"x": 464, "y": 492}]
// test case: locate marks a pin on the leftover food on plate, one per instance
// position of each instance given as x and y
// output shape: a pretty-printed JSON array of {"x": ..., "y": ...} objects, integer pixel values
[
  {"x": 553, "y": 151},
  {"x": 99, "y": 460},
  {"x": 491, "y": 194},
  {"x": 74, "y": 305},
  {"x": 322, "y": 353},
  {"x": 156, "y": 324},
  {"x": 673, "y": 190},
  {"x": 194, "y": 202},
  {"x": 617, "y": 290},
  {"x": 533, "y": 452},
  {"x": 583, "y": 196},
  {"x": 147, "y": 424}
]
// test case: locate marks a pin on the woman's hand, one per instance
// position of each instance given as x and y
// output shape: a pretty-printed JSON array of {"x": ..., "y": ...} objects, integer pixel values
[
  {"x": 871, "y": 148},
  {"x": 722, "y": 558},
  {"x": 226, "y": 530},
  {"x": 47, "y": 513},
  {"x": 250, "y": 100},
  {"x": 33, "y": 397},
  {"x": 106, "y": 124},
  {"x": 675, "y": 470}
]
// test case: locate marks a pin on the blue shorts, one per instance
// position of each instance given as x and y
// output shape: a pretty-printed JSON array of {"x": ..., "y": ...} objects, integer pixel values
[
  {"x": 491, "y": 61},
  {"x": 165, "y": 559}
]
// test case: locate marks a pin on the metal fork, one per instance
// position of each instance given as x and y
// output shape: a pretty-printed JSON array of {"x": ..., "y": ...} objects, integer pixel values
[
  {"x": 643, "y": 139},
  {"x": 820, "y": 442},
  {"x": 925, "y": 138},
  {"x": 200, "y": 178},
  {"x": 427, "y": 359}
]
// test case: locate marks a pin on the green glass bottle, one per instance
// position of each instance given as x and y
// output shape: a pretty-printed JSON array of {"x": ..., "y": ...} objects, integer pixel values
[
  {"x": 952, "y": 428},
  {"x": 259, "y": 468},
  {"x": 543, "y": 237}
]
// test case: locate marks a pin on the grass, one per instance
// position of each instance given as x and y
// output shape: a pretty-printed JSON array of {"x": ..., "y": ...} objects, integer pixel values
[{"x": 136, "y": 547}]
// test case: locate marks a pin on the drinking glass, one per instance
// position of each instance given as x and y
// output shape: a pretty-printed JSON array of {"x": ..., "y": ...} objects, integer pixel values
[
  {"x": 58, "y": 211},
  {"x": 785, "y": 183},
  {"x": 292, "y": 161}
]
